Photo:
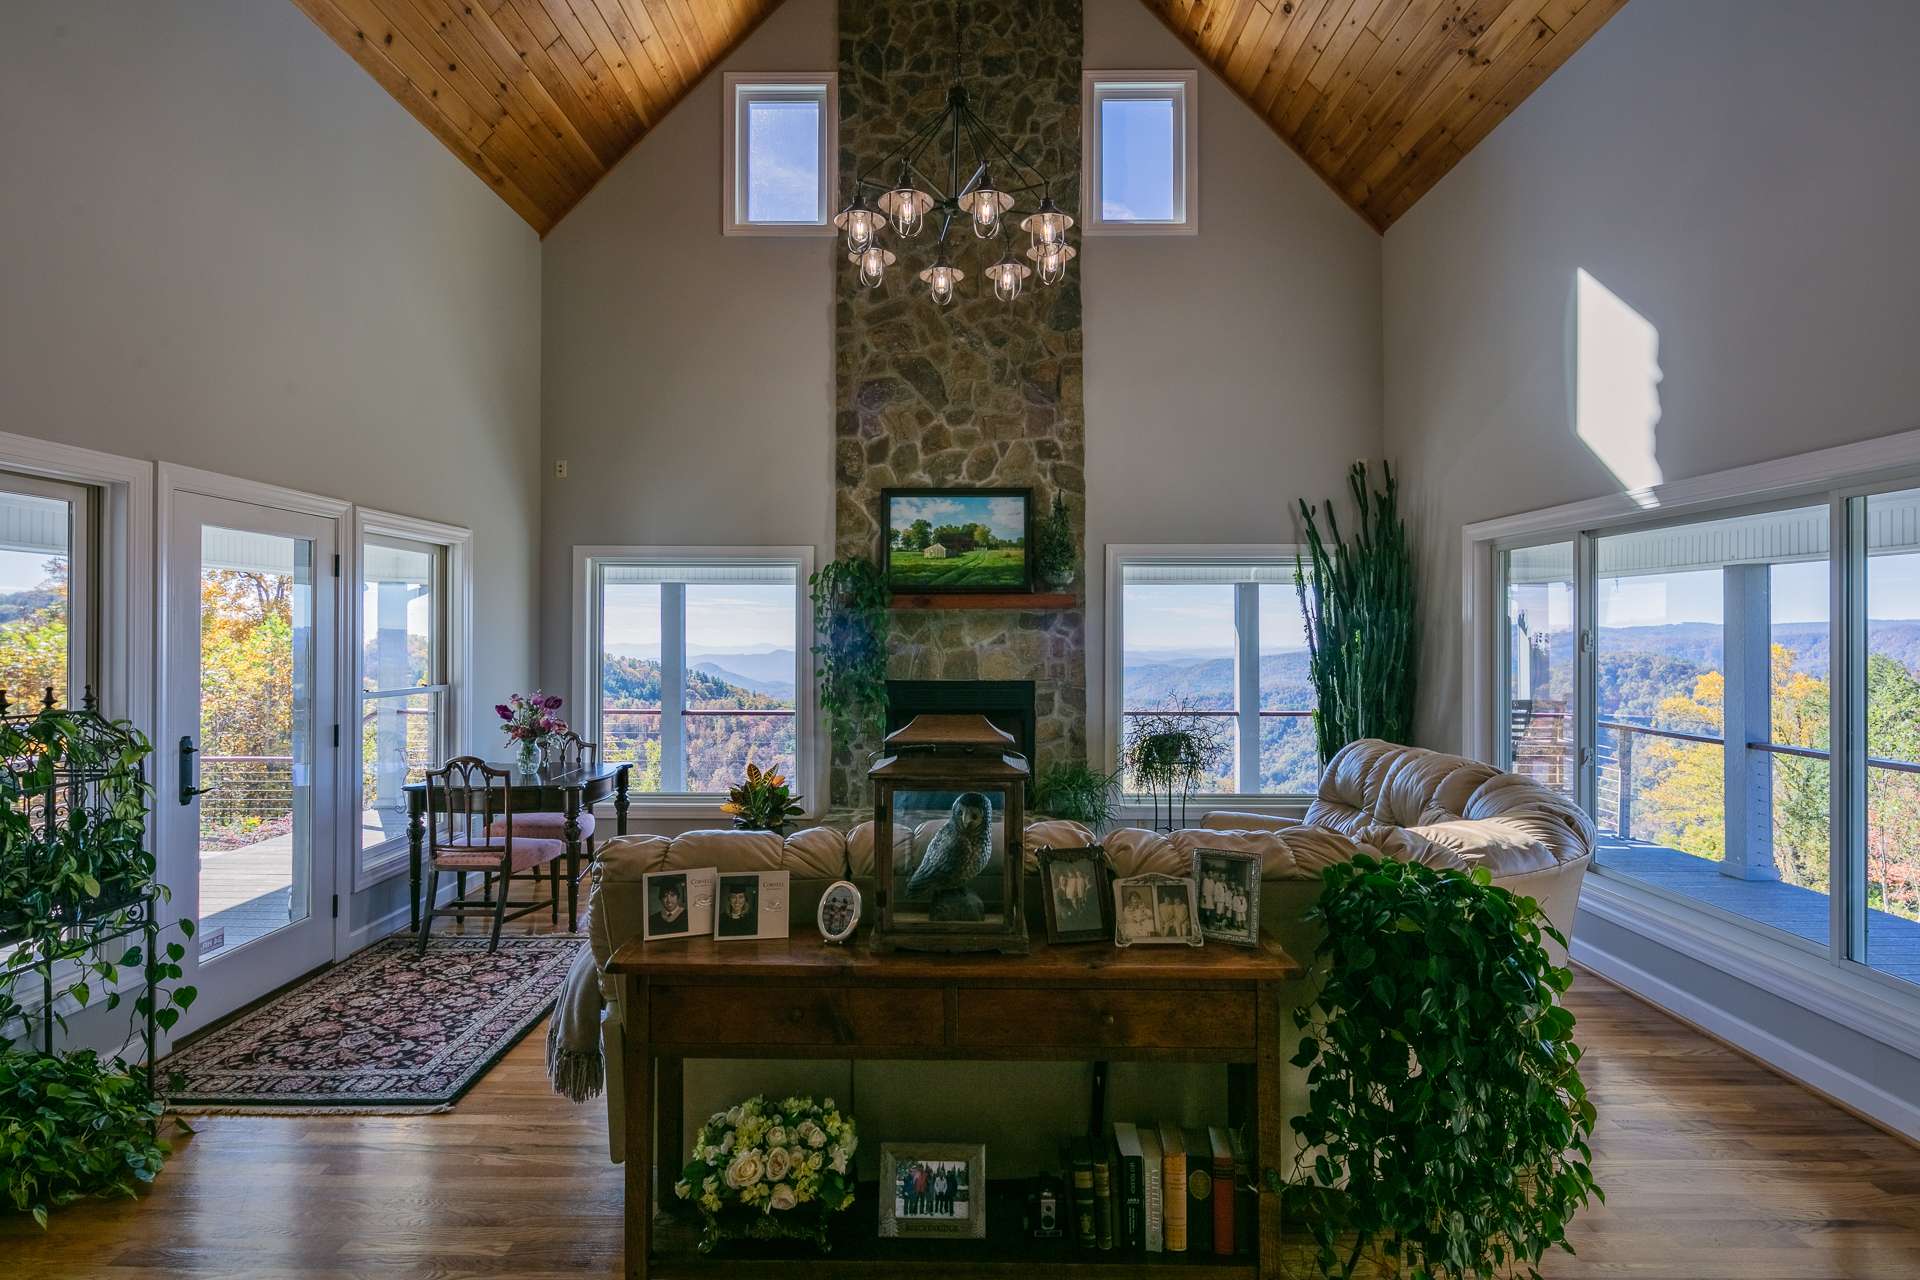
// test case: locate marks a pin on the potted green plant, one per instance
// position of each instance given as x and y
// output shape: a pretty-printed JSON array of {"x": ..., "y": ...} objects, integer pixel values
[
  {"x": 1358, "y": 596},
  {"x": 762, "y": 801},
  {"x": 80, "y": 893},
  {"x": 1446, "y": 1126},
  {"x": 850, "y": 612},
  {"x": 1078, "y": 792},
  {"x": 1055, "y": 555},
  {"x": 1171, "y": 753}
]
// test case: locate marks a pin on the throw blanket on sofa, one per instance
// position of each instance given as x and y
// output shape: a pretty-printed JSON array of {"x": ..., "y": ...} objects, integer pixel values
[{"x": 574, "y": 1062}]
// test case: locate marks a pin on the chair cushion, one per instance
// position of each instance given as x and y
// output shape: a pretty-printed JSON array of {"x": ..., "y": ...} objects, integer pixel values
[
  {"x": 462, "y": 854},
  {"x": 544, "y": 824}
]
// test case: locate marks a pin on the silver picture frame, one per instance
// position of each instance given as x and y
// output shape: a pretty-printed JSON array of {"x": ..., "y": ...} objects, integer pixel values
[
  {"x": 1227, "y": 889},
  {"x": 927, "y": 1214},
  {"x": 1155, "y": 910}
]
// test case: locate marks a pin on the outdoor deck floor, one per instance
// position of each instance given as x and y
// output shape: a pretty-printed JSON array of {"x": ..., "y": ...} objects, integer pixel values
[
  {"x": 1893, "y": 942},
  {"x": 246, "y": 892}
]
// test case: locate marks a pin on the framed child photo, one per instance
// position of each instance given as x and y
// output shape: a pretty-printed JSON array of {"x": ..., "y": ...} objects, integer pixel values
[
  {"x": 1227, "y": 884},
  {"x": 1155, "y": 910},
  {"x": 1076, "y": 886},
  {"x": 933, "y": 1190},
  {"x": 953, "y": 541}
]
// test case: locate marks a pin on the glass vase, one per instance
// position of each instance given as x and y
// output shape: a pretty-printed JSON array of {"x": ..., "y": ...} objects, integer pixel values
[{"x": 528, "y": 759}]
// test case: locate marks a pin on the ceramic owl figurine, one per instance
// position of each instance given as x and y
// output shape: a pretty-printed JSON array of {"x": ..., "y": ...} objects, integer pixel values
[{"x": 960, "y": 851}]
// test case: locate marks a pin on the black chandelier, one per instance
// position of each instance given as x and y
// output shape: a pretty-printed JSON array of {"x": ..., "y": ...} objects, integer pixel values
[{"x": 905, "y": 198}]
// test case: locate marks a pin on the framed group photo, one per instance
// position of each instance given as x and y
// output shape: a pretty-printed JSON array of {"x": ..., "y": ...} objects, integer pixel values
[
  {"x": 1076, "y": 887},
  {"x": 933, "y": 1190},
  {"x": 1155, "y": 910},
  {"x": 1228, "y": 885}
]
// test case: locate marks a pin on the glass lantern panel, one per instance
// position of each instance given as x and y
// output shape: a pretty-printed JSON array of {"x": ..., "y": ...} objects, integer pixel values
[{"x": 953, "y": 870}]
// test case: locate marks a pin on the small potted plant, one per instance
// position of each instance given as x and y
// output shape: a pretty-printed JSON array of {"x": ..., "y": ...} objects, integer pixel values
[
  {"x": 529, "y": 721},
  {"x": 763, "y": 802},
  {"x": 1077, "y": 792},
  {"x": 1054, "y": 553},
  {"x": 770, "y": 1171}
]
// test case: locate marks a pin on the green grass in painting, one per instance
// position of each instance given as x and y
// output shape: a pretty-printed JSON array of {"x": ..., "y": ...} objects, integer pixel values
[{"x": 1004, "y": 568}]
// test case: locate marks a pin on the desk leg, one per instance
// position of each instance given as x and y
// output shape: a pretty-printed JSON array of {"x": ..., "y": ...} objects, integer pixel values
[
  {"x": 573, "y": 859},
  {"x": 639, "y": 1068},
  {"x": 416, "y": 832},
  {"x": 670, "y": 1123},
  {"x": 1269, "y": 1119},
  {"x": 620, "y": 802}
]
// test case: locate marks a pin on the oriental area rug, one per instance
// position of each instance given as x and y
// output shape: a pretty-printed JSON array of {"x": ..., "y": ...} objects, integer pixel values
[{"x": 382, "y": 1033}]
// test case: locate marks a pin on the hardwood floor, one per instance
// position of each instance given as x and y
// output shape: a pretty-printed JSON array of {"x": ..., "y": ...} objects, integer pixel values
[{"x": 1713, "y": 1167}]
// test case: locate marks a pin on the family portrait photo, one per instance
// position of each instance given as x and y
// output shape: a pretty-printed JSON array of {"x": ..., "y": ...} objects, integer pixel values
[
  {"x": 1155, "y": 909},
  {"x": 958, "y": 539},
  {"x": 738, "y": 914},
  {"x": 1229, "y": 895},
  {"x": 839, "y": 911},
  {"x": 931, "y": 1189},
  {"x": 1074, "y": 886}
]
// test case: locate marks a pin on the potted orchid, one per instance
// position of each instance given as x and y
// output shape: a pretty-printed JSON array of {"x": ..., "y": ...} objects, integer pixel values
[
  {"x": 770, "y": 1171},
  {"x": 529, "y": 722}
]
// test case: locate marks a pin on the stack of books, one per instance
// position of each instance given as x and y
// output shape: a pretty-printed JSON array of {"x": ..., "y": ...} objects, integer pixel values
[{"x": 1159, "y": 1188}]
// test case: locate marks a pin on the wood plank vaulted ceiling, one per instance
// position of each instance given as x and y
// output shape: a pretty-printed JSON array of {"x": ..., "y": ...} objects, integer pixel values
[{"x": 541, "y": 97}]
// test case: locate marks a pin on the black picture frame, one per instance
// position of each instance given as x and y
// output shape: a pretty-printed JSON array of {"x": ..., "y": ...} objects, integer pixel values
[
  {"x": 888, "y": 570},
  {"x": 1093, "y": 859}
]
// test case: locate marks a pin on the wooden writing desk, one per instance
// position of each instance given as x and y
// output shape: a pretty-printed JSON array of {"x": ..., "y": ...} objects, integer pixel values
[{"x": 801, "y": 998}]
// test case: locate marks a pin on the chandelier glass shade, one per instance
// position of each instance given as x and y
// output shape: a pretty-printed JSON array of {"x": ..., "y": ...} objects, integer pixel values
[{"x": 950, "y": 169}]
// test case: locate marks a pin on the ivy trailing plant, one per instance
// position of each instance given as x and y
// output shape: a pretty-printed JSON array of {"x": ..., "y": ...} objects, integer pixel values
[
  {"x": 850, "y": 612},
  {"x": 1446, "y": 1127},
  {"x": 1358, "y": 597},
  {"x": 78, "y": 884},
  {"x": 1078, "y": 792}
]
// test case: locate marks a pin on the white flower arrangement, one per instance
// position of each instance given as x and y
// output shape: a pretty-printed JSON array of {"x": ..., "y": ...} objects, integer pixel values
[{"x": 760, "y": 1159}]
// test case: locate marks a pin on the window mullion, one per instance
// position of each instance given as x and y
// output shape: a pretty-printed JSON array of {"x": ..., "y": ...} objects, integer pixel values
[
  {"x": 1246, "y": 618},
  {"x": 1586, "y": 744},
  {"x": 673, "y": 687},
  {"x": 1847, "y": 733}
]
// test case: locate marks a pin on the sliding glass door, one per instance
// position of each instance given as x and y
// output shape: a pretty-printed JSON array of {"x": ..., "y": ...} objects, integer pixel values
[{"x": 1735, "y": 697}]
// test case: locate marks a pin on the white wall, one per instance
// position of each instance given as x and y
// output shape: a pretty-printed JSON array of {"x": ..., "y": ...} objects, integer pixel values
[
  {"x": 687, "y": 376},
  {"x": 227, "y": 247},
  {"x": 1745, "y": 181},
  {"x": 1742, "y": 179},
  {"x": 1230, "y": 373}
]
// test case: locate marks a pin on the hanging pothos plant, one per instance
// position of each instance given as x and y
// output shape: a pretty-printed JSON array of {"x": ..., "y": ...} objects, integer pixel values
[
  {"x": 77, "y": 897},
  {"x": 1362, "y": 630},
  {"x": 850, "y": 614}
]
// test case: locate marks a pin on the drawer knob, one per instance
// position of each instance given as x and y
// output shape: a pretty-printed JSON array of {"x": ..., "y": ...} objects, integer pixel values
[
  {"x": 795, "y": 1014},
  {"x": 1106, "y": 1019}
]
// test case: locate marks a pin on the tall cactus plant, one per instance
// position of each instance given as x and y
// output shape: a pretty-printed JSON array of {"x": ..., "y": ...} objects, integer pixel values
[{"x": 1362, "y": 632}]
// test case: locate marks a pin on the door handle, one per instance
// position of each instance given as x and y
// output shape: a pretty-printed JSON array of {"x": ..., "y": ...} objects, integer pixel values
[{"x": 190, "y": 771}]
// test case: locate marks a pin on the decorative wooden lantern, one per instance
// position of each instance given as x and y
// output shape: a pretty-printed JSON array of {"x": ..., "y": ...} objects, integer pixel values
[{"x": 954, "y": 877}]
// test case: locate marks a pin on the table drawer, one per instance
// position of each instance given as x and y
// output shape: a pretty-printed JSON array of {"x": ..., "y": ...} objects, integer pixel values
[
  {"x": 1080, "y": 1017},
  {"x": 878, "y": 1017}
]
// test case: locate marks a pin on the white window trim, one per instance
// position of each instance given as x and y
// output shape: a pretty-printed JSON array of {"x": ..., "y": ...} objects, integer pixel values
[
  {"x": 1826, "y": 984},
  {"x": 83, "y": 586},
  {"x": 733, "y": 221},
  {"x": 1119, "y": 555},
  {"x": 122, "y": 628},
  {"x": 384, "y": 861},
  {"x": 1185, "y": 87},
  {"x": 810, "y": 764}
]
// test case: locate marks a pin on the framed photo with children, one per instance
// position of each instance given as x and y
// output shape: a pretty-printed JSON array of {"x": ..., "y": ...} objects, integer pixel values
[
  {"x": 1227, "y": 884},
  {"x": 1155, "y": 910},
  {"x": 933, "y": 1190}
]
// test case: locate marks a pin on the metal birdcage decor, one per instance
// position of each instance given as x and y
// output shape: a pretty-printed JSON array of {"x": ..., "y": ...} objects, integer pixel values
[
  {"x": 949, "y": 797},
  {"x": 986, "y": 185},
  {"x": 75, "y": 870}
]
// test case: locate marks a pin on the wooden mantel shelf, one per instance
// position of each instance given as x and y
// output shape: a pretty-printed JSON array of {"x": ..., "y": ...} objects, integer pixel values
[{"x": 1007, "y": 600}]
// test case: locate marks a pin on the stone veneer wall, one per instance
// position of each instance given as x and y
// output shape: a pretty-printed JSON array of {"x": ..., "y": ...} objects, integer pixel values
[{"x": 980, "y": 392}]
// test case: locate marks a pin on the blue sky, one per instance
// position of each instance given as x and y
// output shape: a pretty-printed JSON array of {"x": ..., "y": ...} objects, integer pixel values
[
  {"x": 720, "y": 619},
  {"x": 783, "y": 159},
  {"x": 1199, "y": 619},
  {"x": 1004, "y": 517},
  {"x": 1136, "y": 160}
]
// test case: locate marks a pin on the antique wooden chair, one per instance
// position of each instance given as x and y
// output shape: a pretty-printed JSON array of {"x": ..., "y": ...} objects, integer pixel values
[{"x": 470, "y": 827}]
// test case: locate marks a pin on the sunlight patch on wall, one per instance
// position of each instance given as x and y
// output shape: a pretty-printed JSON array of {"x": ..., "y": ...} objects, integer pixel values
[{"x": 1616, "y": 376}]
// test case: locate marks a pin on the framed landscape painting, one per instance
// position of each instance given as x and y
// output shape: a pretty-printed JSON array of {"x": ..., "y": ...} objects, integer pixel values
[{"x": 956, "y": 540}]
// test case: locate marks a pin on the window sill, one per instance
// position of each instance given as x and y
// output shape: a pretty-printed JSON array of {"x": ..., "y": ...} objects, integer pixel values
[
  {"x": 1198, "y": 808},
  {"x": 644, "y": 807}
]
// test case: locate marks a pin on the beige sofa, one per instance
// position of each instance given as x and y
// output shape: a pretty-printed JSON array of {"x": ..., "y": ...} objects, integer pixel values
[{"x": 1374, "y": 797}]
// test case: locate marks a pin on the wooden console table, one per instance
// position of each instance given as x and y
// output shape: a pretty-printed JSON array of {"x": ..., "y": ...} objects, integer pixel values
[{"x": 801, "y": 998}]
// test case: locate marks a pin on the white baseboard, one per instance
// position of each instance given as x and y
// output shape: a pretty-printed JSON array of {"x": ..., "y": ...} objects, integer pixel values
[
  {"x": 400, "y": 918},
  {"x": 1835, "y": 1082}
]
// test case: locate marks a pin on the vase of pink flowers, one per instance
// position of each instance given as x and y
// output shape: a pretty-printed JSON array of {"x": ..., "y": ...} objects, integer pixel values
[{"x": 529, "y": 721}]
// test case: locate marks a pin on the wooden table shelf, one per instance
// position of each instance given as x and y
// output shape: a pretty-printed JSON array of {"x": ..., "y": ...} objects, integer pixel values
[{"x": 801, "y": 998}]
